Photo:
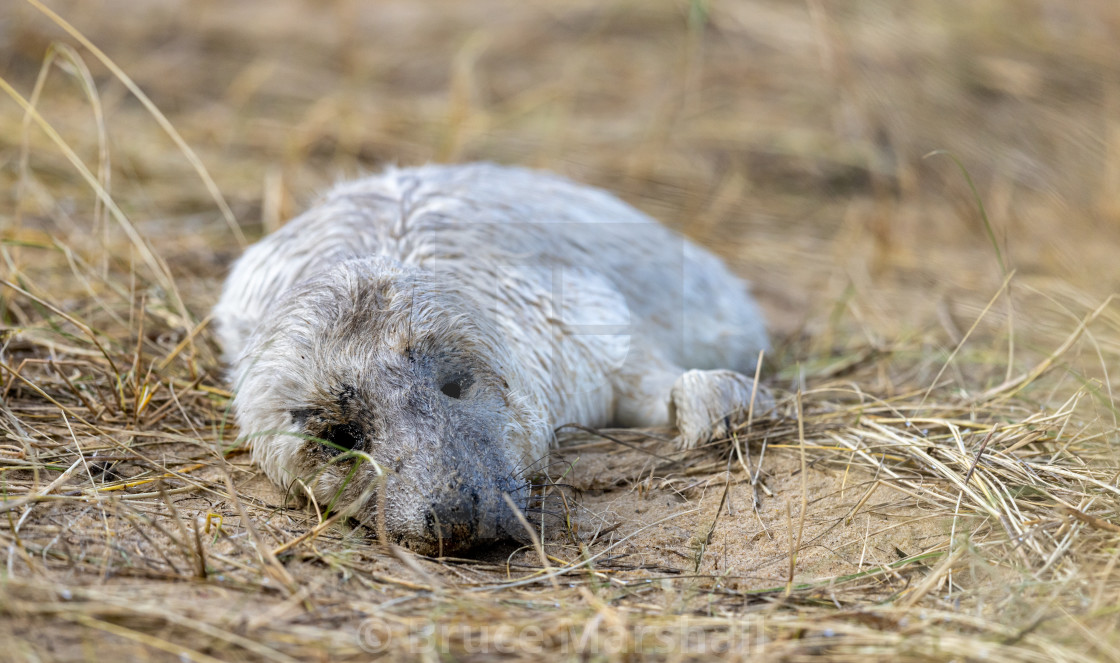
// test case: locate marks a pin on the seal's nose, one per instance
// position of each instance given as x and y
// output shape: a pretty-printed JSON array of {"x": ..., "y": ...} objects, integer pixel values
[
  {"x": 466, "y": 515},
  {"x": 454, "y": 518}
]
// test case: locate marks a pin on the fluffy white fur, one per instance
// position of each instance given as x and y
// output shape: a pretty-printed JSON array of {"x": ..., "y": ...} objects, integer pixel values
[{"x": 545, "y": 302}]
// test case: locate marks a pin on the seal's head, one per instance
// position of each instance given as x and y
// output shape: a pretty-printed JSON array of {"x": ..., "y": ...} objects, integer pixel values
[{"x": 376, "y": 387}]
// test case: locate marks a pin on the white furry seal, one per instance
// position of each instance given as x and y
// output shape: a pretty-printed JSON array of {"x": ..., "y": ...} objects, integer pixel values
[{"x": 407, "y": 346}]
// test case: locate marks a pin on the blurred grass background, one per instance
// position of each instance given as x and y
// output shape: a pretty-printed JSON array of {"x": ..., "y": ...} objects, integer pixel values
[{"x": 791, "y": 134}]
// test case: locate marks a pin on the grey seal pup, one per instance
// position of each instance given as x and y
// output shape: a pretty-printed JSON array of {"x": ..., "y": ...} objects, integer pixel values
[{"x": 407, "y": 347}]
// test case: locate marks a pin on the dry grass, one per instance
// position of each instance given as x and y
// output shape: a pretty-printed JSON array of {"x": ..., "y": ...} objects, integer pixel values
[{"x": 942, "y": 484}]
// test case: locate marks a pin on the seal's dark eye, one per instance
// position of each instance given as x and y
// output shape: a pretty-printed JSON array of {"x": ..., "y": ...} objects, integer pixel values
[
  {"x": 452, "y": 389},
  {"x": 344, "y": 436}
]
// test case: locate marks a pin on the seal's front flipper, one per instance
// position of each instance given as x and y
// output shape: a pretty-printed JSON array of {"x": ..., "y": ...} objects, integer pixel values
[{"x": 705, "y": 405}]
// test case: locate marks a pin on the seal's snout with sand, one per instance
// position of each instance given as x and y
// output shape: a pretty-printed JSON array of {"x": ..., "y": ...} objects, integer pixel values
[{"x": 405, "y": 348}]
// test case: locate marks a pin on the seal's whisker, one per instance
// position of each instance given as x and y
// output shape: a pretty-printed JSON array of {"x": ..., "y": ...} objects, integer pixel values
[
  {"x": 540, "y": 464},
  {"x": 554, "y": 514},
  {"x": 553, "y": 484}
]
